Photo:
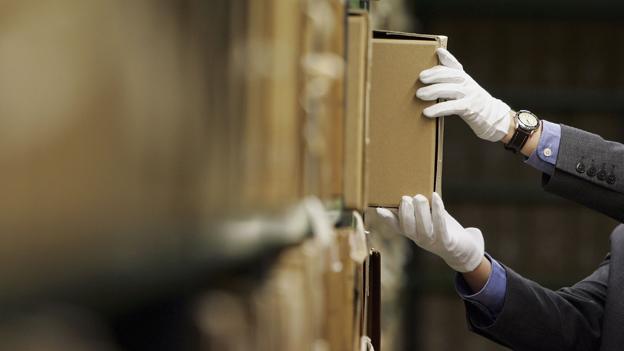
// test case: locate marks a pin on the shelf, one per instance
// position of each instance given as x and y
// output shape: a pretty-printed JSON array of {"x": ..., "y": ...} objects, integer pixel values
[{"x": 137, "y": 272}]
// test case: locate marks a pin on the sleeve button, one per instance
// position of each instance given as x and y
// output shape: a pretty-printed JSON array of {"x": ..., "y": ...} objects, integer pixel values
[
  {"x": 591, "y": 171},
  {"x": 611, "y": 178},
  {"x": 602, "y": 175}
]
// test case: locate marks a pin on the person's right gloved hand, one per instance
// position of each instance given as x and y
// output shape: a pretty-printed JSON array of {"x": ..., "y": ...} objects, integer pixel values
[
  {"x": 488, "y": 117},
  {"x": 437, "y": 232}
]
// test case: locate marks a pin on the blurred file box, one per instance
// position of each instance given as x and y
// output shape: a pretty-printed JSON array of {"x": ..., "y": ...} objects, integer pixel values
[
  {"x": 100, "y": 152},
  {"x": 345, "y": 291},
  {"x": 340, "y": 297},
  {"x": 356, "y": 120},
  {"x": 272, "y": 128},
  {"x": 338, "y": 104},
  {"x": 405, "y": 150},
  {"x": 323, "y": 97}
]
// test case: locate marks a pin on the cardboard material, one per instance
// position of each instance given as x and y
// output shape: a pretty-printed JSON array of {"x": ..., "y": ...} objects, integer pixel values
[
  {"x": 405, "y": 150},
  {"x": 323, "y": 98},
  {"x": 356, "y": 121},
  {"x": 340, "y": 298},
  {"x": 336, "y": 103},
  {"x": 271, "y": 148}
]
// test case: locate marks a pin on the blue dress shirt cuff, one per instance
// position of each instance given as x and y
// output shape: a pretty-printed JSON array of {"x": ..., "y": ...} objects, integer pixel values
[
  {"x": 491, "y": 298},
  {"x": 544, "y": 158}
]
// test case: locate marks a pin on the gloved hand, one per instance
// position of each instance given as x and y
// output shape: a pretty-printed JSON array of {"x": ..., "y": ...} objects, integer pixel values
[
  {"x": 437, "y": 232},
  {"x": 488, "y": 117}
]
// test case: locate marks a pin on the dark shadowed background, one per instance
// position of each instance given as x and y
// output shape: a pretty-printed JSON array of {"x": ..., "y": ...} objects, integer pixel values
[{"x": 558, "y": 59}]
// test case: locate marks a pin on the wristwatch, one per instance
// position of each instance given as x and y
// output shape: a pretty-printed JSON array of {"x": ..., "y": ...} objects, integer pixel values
[{"x": 526, "y": 124}]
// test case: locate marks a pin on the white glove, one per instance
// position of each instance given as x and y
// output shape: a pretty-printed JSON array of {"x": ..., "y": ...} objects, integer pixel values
[
  {"x": 488, "y": 117},
  {"x": 437, "y": 232}
]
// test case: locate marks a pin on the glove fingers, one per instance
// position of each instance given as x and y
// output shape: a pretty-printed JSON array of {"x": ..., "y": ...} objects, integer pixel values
[
  {"x": 422, "y": 215},
  {"x": 441, "y": 74},
  {"x": 406, "y": 217},
  {"x": 446, "y": 108},
  {"x": 438, "y": 214},
  {"x": 389, "y": 218},
  {"x": 447, "y": 59},
  {"x": 440, "y": 91}
]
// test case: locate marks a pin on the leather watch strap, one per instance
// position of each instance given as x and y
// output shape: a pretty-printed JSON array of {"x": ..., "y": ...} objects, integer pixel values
[{"x": 518, "y": 140}]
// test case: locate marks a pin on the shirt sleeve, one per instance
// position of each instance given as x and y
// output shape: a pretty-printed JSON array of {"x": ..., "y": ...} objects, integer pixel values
[
  {"x": 544, "y": 158},
  {"x": 491, "y": 298}
]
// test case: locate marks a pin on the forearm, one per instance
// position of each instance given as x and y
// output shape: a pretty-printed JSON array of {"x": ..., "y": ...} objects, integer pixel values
[
  {"x": 531, "y": 143},
  {"x": 570, "y": 317},
  {"x": 477, "y": 279}
]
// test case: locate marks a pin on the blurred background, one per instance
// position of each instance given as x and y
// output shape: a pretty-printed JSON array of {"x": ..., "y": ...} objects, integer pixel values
[
  {"x": 558, "y": 59},
  {"x": 169, "y": 170}
]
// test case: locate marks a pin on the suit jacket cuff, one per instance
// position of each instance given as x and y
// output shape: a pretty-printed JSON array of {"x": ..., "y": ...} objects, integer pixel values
[{"x": 491, "y": 298}]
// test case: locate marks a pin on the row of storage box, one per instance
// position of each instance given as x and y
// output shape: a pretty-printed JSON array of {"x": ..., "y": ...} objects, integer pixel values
[
  {"x": 322, "y": 294},
  {"x": 164, "y": 120},
  {"x": 325, "y": 107},
  {"x": 250, "y": 107},
  {"x": 317, "y": 104}
]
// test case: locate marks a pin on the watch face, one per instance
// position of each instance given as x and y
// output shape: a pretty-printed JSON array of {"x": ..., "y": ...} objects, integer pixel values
[{"x": 528, "y": 120}]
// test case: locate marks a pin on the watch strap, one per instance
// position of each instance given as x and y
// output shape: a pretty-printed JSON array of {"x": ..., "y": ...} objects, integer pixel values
[{"x": 518, "y": 140}]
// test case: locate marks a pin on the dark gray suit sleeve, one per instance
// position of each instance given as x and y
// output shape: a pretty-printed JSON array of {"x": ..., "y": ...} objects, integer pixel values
[
  {"x": 590, "y": 171},
  {"x": 536, "y": 318}
]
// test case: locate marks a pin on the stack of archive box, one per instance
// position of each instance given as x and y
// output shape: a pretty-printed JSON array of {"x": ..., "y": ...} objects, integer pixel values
[
  {"x": 298, "y": 140},
  {"x": 221, "y": 155},
  {"x": 329, "y": 113}
]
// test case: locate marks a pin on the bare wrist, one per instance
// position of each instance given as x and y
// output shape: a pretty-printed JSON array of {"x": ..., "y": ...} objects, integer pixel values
[
  {"x": 477, "y": 279},
  {"x": 531, "y": 144}
]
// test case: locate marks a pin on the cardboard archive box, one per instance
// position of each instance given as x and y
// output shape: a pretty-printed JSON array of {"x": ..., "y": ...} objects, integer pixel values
[
  {"x": 405, "y": 149},
  {"x": 340, "y": 297},
  {"x": 272, "y": 126},
  {"x": 356, "y": 118},
  {"x": 323, "y": 98}
]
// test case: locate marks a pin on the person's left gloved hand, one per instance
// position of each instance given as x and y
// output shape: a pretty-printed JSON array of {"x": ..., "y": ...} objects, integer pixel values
[
  {"x": 488, "y": 117},
  {"x": 437, "y": 232}
]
